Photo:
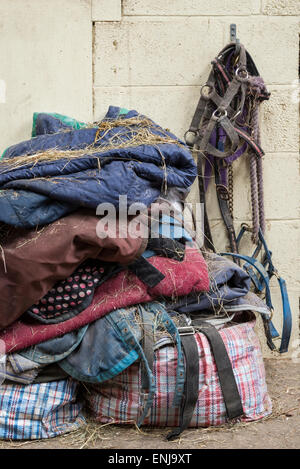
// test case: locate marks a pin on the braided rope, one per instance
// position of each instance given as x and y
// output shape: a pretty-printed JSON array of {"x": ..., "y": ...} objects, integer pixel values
[
  {"x": 259, "y": 170},
  {"x": 254, "y": 197}
]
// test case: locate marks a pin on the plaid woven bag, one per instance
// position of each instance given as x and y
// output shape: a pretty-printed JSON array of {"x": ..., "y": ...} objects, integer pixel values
[
  {"x": 120, "y": 399},
  {"x": 41, "y": 410}
]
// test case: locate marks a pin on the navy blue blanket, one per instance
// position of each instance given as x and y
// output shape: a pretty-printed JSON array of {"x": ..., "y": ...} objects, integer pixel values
[{"x": 38, "y": 194}]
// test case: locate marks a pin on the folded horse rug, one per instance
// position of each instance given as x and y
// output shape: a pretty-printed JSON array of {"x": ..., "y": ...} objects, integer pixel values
[
  {"x": 70, "y": 296},
  {"x": 124, "y": 289},
  {"x": 53, "y": 174},
  {"x": 229, "y": 291}
]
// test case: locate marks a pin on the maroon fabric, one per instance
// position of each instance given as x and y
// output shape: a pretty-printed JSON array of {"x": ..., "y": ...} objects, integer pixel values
[
  {"x": 125, "y": 289},
  {"x": 34, "y": 260}
]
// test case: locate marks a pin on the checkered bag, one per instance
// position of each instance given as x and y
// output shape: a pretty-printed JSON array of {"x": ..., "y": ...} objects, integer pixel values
[
  {"x": 120, "y": 399},
  {"x": 41, "y": 410}
]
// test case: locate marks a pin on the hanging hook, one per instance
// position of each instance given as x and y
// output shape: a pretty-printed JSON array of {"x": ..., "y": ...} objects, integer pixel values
[{"x": 233, "y": 38}]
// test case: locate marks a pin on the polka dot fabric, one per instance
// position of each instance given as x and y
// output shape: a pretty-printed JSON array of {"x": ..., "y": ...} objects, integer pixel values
[{"x": 71, "y": 296}]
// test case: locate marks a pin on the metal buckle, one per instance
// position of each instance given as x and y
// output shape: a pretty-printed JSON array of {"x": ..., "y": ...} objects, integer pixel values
[
  {"x": 222, "y": 191},
  {"x": 186, "y": 330}
]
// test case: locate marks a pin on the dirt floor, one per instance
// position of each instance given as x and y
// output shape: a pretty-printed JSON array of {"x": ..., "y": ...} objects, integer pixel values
[{"x": 281, "y": 430}]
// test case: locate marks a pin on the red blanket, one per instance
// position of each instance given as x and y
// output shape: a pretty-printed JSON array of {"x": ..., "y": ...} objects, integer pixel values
[{"x": 125, "y": 289}]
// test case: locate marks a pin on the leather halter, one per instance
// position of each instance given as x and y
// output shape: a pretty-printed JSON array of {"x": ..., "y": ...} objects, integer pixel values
[
  {"x": 223, "y": 128},
  {"x": 220, "y": 129}
]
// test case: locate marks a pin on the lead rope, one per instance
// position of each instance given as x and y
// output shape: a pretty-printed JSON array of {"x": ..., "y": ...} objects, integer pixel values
[
  {"x": 256, "y": 182},
  {"x": 254, "y": 197},
  {"x": 260, "y": 184}
]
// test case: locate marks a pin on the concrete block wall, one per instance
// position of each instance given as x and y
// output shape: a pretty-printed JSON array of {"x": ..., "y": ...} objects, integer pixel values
[
  {"x": 77, "y": 57},
  {"x": 46, "y": 63}
]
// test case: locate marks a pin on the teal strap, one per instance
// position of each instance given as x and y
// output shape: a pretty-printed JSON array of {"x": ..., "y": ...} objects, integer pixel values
[
  {"x": 265, "y": 278},
  {"x": 131, "y": 340},
  {"x": 126, "y": 330},
  {"x": 272, "y": 271},
  {"x": 163, "y": 318}
]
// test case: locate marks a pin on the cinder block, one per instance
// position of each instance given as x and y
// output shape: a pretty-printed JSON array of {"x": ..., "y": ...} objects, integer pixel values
[
  {"x": 104, "y": 10},
  {"x": 178, "y": 51},
  {"x": 281, "y": 7},
  {"x": 283, "y": 238},
  {"x": 46, "y": 63},
  {"x": 190, "y": 7},
  {"x": 170, "y": 106},
  {"x": 144, "y": 52},
  {"x": 281, "y": 180},
  {"x": 241, "y": 189},
  {"x": 280, "y": 120},
  {"x": 219, "y": 235},
  {"x": 282, "y": 186}
]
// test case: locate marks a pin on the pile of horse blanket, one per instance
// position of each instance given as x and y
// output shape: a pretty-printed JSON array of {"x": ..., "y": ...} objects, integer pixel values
[{"x": 74, "y": 292}]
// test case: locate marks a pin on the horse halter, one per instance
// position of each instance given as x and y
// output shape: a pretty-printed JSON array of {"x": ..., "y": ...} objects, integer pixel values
[{"x": 224, "y": 127}]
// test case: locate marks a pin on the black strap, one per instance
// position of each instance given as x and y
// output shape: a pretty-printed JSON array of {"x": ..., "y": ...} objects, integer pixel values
[
  {"x": 162, "y": 246},
  {"x": 208, "y": 241},
  {"x": 223, "y": 197},
  {"x": 232, "y": 399},
  {"x": 147, "y": 343},
  {"x": 191, "y": 387},
  {"x": 146, "y": 272},
  {"x": 231, "y": 396},
  {"x": 167, "y": 247}
]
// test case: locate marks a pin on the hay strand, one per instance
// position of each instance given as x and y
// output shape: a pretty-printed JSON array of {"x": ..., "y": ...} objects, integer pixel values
[{"x": 132, "y": 132}]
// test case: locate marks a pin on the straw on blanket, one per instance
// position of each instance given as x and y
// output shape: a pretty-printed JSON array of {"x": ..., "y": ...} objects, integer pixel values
[{"x": 136, "y": 131}]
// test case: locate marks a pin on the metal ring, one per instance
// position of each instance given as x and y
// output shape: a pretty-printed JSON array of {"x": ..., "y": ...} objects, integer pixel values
[
  {"x": 220, "y": 116},
  {"x": 203, "y": 95},
  {"x": 246, "y": 227},
  {"x": 242, "y": 69},
  {"x": 194, "y": 132}
]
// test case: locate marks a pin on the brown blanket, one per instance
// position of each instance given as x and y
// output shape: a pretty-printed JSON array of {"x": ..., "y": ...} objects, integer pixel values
[{"x": 32, "y": 261}]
